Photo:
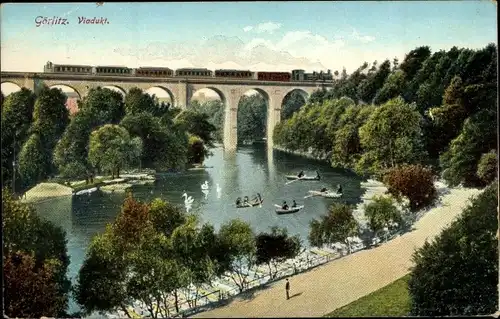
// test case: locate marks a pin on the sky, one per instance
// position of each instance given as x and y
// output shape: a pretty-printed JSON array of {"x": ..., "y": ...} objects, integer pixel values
[{"x": 257, "y": 36}]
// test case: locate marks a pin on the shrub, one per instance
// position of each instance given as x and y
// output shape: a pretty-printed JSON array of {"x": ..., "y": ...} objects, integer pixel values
[
  {"x": 415, "y": 182},
  {"x": 382, "y": 213},
  {"x": 457, "y": 274},
  {"x": 487, "y": 167}
]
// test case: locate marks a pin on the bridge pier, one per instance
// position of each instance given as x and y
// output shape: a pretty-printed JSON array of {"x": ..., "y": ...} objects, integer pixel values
[
  {"x": 273, "y": 114},
  {"x": 232, "y": 99}
]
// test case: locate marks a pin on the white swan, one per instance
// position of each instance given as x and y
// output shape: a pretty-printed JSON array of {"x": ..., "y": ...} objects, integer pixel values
[
  {"x": 187, "y": 200},
  {"x": 204, "y": 185}
]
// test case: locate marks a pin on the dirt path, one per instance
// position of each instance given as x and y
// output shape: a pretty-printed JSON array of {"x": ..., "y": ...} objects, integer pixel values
[{"x": 340, "y": 282}]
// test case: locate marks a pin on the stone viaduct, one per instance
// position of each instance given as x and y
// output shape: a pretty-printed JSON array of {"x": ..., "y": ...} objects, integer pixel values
[{"x": 180, "y": 90}]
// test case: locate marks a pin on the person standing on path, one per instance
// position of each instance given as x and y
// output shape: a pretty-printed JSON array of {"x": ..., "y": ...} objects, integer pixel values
[{"x": 287, "y": 287}]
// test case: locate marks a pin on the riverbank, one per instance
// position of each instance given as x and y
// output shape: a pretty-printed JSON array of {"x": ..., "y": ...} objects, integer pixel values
[
  {"x": 309, "y": 154},
  {"x": 347, "y": 279},
  {"x": 45, "y": 191}
]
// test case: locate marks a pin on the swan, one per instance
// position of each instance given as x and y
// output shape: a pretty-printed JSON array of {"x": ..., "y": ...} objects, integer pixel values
[
  {"x": 187, "y": 200},
  {"x": 204, "y": 185}
]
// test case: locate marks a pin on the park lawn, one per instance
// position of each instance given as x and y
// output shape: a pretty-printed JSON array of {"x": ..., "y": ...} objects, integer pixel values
[{"x": 389, "y": 301}]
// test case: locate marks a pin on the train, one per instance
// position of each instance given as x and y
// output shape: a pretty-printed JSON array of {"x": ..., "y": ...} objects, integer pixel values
[{"x": 164, "y": 72}]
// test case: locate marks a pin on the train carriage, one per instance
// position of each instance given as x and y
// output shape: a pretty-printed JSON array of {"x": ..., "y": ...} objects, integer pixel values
[
  {"x": 153, "y": 72},
  {"x": 67, "y": 68},
  {"x": 112, "y": 70},
  {"x": 274, "y": 76},
  {"x": 187, "y": 72},
  {"x": 237, "y": 74}
]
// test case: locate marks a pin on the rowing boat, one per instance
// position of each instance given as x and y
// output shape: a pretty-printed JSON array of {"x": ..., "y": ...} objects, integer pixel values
[
  {"x": 290, "y": 210},
  {"x": 326, "y": 194},
  {"x": 303, "y": 178},
  {"x": 251, "y": 204}
]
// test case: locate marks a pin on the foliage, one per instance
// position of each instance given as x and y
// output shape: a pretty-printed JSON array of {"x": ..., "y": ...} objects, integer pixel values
[
  {"x": 392, "y": 300},
  {"x": 197, "y": 123},
  {"x": 215, "y": 110},
  {"x": 17, "y": 117},
  {"x": 111, "y": 148},
  {"x": 393, "y": 86},
  {"x": 291, "y": 104},
  {"x": 106, "y": 105},
  {"x": 487, "y": 167},
  {"x": 336, "y": 226},
  {"x": 162, "y": 147},
  {"x": 36, "y": 259},
  {"x": 196, "y": 150},
  {"x": 457, "y": 273},
  {"x": 238, "y": 240},
  {"x": 414, "y": 182},
  {"x": 460, "y": 161},
  {"x": 31, "y": 290},
  {"x": 149, "y": 253},
  {"x": 382, "y": 213},
  {"x": 251, "y": 118},
  {"x": 136, "y": 101},
  {"x": 276, "y": 247},
  {"x": 34, "y": 163},
  {"x": 391, "y": 136}
]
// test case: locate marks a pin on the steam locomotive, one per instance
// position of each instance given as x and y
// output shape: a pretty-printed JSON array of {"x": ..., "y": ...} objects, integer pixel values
[{"x": 162, "y": 72}]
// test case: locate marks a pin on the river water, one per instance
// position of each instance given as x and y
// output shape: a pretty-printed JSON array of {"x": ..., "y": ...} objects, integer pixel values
[{"x": 252, "y": 169}]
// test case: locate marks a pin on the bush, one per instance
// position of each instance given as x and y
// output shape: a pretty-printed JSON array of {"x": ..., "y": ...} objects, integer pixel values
[
  {"x": 415, "y": 182},
  {"x": 487, "y": 167},
  {"x": 457, "y": 274},
  {"x": 382, "y": 213}
]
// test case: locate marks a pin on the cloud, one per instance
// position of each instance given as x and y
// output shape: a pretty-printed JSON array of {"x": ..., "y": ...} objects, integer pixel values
[
  {"x": 362, "y": 38},
  {"x": 266, "y": 27}
]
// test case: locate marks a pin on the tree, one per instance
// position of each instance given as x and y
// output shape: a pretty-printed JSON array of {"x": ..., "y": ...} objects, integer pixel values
[
  {"x": 34, "y": 163},
  {"x": 252, "y": 114},
  {"x": 198, "y": 124},
  {"x": 368, "y": 88},
  {"x": 457, "y": 273},
  {"x": 338, "y": 225},
  {"x": 238, "y": 240},
  {"x": 487, "y": 167},
  {"x": 414, "y": 182},
  {"x": 106, "y": 105},
  {"x": 276, "y": 247},
  {"x": 111, "y": 148},
  {"x": 391, "y": 136},
  {"x": 393, "y": 87},
  {"x": 17, "y": 117},
  {"x": 35, "y": 263},
  {"x": 31, "y": 290},
  {"x": 136, "y": 101},
  {"x": 216, "y": 111},
  {"x": 382, "y": 214},
  {"x": 291, "y": 104},
  {"x": 478, "y": 136},
  {"x": 196, "y": 150}
]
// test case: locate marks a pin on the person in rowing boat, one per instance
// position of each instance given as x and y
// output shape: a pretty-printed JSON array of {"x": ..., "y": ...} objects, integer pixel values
[
  {"x": 324, "y": 190},
  {"x": 339, "y": 189},
  {"x": 317, "y": 175},
  {"x": 294, "y": 204},
  {"x": 256, "y": 199},
  {"x": 284, "y": 206},
  {"x": 238, "y": 201},
  {"x": 245, "y": 200},
  {"x": 301, "y": 174}
]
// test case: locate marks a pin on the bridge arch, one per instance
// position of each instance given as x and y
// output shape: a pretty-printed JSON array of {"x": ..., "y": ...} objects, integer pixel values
[
  {"x": 205, "y": 94},
  {"x": 64, "y": 88},
  {"x": 9, "y": 87},
  {"x": 162, "y": 93},
  {"x": 292, "y": 102},
  {"x": 116, "y": 88},
  {"x": 72, "y": 94},
  {"x": 251, "y": 117}
]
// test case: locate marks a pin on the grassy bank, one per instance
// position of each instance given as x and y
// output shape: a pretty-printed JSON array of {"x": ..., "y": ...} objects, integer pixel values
[{"x": 390, "y": 301}]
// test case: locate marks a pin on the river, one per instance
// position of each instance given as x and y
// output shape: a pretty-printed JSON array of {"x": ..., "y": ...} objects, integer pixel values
[{"x": 250, "y": 170}]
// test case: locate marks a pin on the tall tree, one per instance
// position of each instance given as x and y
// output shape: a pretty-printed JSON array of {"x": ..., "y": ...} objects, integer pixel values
[
  {"x": 252, "y": 115},
  {"x": 336, "y": 226},
  {"x": 105, "y": 104},
  {"x": 111, "y": 148},
  {"x": 276, "y": 247},
  {"x": 36, "y": 262},
  {"x": 137, "y": 101}
]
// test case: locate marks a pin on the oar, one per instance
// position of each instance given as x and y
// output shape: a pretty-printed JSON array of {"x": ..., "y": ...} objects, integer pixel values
[{"x": 293, "y": 181}]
